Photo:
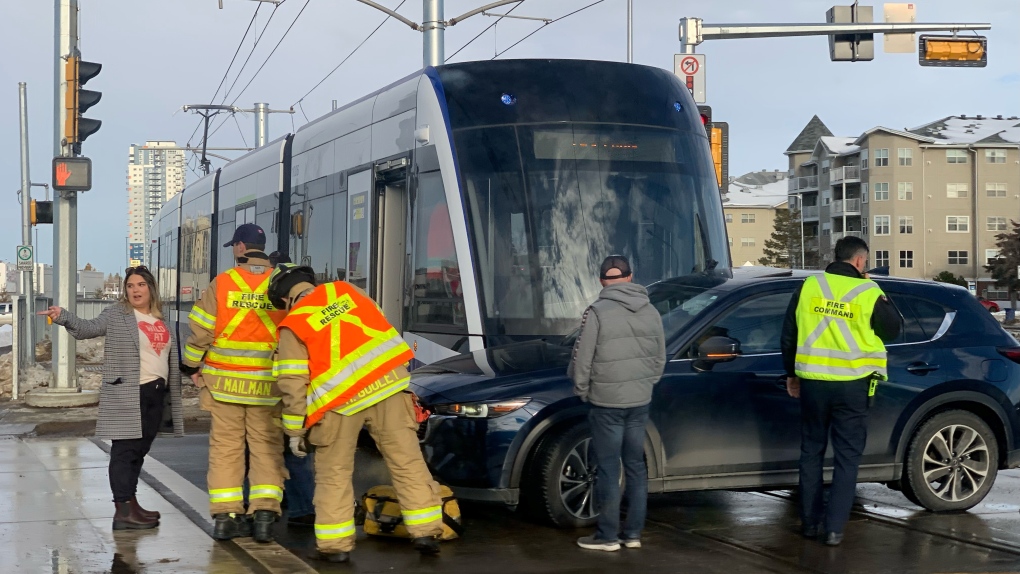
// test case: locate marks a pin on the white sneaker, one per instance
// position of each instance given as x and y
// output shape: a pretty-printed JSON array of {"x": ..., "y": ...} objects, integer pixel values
[
  {"x": 589, "y": 542},
  {"x": 632, "y": 543}
]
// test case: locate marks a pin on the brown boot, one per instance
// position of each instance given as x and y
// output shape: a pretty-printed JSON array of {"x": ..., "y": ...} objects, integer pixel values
[
  {"x": 129, "y": 518},
  {"x": 147, "y": 513}
]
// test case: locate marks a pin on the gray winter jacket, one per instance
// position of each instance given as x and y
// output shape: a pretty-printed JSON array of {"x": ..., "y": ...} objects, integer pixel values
[{"x": 621, "y": 351}]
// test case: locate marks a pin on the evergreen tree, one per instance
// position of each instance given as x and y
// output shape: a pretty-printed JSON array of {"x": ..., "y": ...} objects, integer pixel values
[
  {"x": 1004, "y": 268},
  {"x": 949, "y": 277},
  {"x": 782, "y": 249}
]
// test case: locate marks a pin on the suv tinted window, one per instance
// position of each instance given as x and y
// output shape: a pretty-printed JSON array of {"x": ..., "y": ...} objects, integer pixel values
[
  {"x": 757, "y": 322},
  {"x": 921, "y": 317}
]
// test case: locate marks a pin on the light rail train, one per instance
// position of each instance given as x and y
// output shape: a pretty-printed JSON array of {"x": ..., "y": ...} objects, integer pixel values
[{"x": 472, "y": 201}]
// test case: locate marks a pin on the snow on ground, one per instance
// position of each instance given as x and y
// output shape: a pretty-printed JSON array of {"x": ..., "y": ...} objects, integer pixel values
[{"x": 6, "y": 335}]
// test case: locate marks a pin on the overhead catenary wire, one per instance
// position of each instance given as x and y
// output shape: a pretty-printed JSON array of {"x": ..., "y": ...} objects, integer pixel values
[
  {"x": 239, "y": 130},
  {"x": 251, "y": 52},
  {"x": 266, "y": 61},
  {"x": 358, "y": 47},
  {"x": 487, "y": 28},
  {"x": 542, "y": 27},
  {"x": 227, "y": 71}
]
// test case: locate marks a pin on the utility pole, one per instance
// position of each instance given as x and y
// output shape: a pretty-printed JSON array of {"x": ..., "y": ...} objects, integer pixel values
[
  {"x": 262, "y": 111},
  {"x": 434, "y": 27},
  {"x": 261, "y": 124},
  {"x": 64, "y": 390},
  {"x": 65, "y": 212},
  {"x": 630, "y": 31},
  {"x": 26, "y": 231}
]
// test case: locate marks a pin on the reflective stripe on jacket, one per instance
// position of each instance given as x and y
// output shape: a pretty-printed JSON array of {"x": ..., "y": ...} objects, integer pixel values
[
  {"x": 835, "y": 338},
  {"x": 355, "y": 357},
  {"x": 239, "y": 362}
]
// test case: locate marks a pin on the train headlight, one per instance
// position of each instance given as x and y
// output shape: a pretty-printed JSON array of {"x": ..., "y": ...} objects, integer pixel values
[{"x": 508, "y": 99}]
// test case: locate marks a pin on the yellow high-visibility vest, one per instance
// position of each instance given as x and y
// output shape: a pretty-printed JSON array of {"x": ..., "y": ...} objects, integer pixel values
[{"x": 835, "y": 341}]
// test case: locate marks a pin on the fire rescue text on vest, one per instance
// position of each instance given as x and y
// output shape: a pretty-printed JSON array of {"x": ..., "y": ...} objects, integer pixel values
[{"x": 239, "y": 300}]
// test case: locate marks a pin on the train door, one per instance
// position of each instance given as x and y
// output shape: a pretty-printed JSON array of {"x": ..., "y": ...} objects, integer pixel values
[{"x": 391, "y": 235}]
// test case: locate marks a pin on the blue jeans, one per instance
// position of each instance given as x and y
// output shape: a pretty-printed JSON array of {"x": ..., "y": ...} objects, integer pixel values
[
  {"x": 300, "y": 487},
  {"x": 619, "y": 435}
]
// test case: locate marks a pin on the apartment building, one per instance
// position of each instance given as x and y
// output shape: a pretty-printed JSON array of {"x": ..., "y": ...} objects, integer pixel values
[
  {"x": 155, "y": 174},
  {"x": 750, "y": 204},
  {"x": 927, "y": 199}
]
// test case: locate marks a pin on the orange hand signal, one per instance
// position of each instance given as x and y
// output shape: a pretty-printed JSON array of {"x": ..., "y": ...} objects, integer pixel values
[{"x": 62, "y": 173}]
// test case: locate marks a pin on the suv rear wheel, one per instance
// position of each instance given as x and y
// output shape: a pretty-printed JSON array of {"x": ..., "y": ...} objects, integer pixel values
[
  {"x": 951, "y": 462},
  {"x": 561, "y": 485}
]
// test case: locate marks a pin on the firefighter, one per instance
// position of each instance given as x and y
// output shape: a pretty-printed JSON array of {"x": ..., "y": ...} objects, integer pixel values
[
  {"x": 342, "y": 366},
  {"x": 233, "y": 337}
]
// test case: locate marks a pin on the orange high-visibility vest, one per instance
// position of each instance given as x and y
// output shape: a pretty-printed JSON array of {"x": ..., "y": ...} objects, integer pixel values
[
  {"x": 352, "y": 349},
  {"x": 245, "y": 329}
]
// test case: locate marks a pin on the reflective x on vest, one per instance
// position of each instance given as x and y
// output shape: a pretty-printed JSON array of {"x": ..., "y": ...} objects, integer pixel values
[
  {"x": 835, "y": 339},
  {"x": 351, "y": 348},
  {"x": 245, "y": 324}
]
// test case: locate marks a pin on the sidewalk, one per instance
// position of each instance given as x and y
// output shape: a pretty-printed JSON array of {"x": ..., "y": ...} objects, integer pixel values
[{"x": 56, "y": 515}]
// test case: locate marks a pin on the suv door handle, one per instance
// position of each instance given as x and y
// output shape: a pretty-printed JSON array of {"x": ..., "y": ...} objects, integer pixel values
[{"x": 921, "y": 368}]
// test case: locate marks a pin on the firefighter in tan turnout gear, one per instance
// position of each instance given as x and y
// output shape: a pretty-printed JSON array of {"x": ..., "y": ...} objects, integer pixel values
[
  {"x": 233, "y": 338},
  {"x": 342, "y": 366}
]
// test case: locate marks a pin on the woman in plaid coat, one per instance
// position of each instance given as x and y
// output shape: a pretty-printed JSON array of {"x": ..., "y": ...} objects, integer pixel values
[{"x": 140, "y": 376}]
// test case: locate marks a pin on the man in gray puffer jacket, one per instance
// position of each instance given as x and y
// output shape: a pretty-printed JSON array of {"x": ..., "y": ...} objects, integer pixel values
[{"x": 617, "y": 359}]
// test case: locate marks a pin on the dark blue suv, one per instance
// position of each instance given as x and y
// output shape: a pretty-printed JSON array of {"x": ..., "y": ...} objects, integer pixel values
[{"x": 506, "y": 427}]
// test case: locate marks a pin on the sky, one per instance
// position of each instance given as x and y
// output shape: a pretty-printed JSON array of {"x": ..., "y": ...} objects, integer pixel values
[{"x": 160, "y": 55}]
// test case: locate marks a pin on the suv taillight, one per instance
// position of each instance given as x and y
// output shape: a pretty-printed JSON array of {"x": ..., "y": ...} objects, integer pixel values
[{"x": 1011, "y": 353}]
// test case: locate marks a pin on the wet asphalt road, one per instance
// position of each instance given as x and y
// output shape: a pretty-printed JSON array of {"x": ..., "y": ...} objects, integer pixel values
[{"x": 707, "y": 532}]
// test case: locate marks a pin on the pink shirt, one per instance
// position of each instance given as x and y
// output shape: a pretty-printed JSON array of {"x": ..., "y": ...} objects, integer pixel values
[{"x": 153, "y": 348}]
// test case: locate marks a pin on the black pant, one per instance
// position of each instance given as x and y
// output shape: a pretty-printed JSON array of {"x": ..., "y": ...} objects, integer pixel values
[
  {"x": 126, "y": 455},
  {"x": 843, "y": 407}
]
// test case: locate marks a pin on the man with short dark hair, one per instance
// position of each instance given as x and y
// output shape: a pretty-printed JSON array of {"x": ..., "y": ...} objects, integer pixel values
[
  {"x": 834, "y": 355},
  {"x": 229, "y": 356},
  {"x": 617, "y": 359}
]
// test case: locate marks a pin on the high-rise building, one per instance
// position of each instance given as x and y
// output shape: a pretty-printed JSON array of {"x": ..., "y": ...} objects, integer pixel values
[
  {"x": 927, "y": 199},
  {"x": 155, "y": 174}
]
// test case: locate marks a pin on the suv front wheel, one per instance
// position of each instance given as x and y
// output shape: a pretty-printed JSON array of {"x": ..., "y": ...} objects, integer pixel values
[
  {"x": 561, "y": 485},
  {"x": 951, "y": 462}
]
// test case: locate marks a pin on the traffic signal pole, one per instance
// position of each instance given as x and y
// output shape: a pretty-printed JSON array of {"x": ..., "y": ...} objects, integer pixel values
[
  {"x": 64, "y": 391},
  {"x": 65, "y": 212},
  {"x": 27, "y": 290},
  {"x": 694, "y": 32}
]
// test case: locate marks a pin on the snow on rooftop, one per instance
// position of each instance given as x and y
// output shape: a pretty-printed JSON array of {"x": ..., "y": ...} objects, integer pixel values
[
  {"x": 768, "y": 195},
  {"x": 966, "y": 130},
  {"x": 840, "y": 145}
]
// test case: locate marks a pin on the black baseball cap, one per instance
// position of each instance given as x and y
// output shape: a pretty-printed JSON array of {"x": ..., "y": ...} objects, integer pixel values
[
  {"x": 615, "y": 262},
  {"x": 249, "y": 234},
  {"x": 277, "y": 257}
]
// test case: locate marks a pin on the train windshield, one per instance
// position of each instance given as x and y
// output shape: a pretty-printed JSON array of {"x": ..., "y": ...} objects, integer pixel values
[{"x": 546, "y": 203}]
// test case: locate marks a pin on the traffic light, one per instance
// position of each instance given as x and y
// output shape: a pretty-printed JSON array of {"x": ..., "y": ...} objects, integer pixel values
[
  {"x": 77, "y": 100},
  {"x": 706, "y": 119},
  {"x": 41, "y": 211},
  {"x": 971, "y": 52},
  {"x": 721, "y": 152}
]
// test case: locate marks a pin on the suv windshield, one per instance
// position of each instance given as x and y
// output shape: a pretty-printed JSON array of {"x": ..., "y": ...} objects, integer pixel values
[{"x": 546, "y": 203}]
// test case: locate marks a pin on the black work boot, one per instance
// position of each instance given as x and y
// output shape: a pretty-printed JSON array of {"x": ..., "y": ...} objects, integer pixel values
[
  {"x": 334, "y": 557},
  {"x": 426, "y": 545},
  {"x": 227, "y": 526},
  {"x": 262, "y": 529}
]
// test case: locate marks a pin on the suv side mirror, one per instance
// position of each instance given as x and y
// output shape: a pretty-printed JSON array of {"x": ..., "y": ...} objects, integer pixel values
[{"x": 716, "y": 350}]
